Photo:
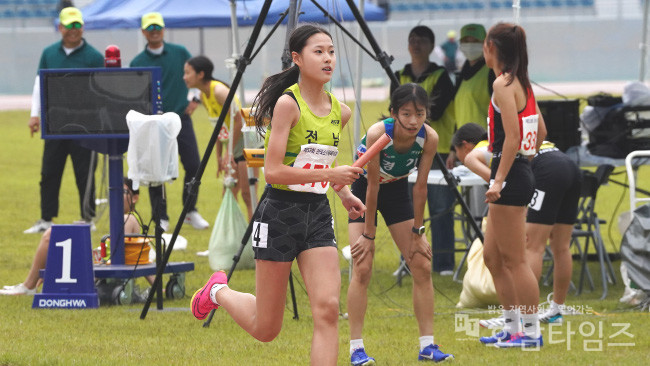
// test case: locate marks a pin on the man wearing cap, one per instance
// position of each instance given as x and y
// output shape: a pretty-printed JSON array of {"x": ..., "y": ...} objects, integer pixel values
[
  {"x": 71, "y": 52},
  {"x": 171, "y": 58}
]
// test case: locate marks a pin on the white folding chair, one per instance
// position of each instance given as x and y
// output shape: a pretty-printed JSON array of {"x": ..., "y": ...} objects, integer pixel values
[{"x": 631, "y": 177}]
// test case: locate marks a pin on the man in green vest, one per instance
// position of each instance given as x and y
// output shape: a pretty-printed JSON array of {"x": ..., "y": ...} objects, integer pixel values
[
  {"x": 474, "y": 83},
  {"x": 435, "y": 80},
  {"x": 473, "y": 93}
]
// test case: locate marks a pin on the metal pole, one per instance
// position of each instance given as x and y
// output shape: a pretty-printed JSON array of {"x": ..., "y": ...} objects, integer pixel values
[
  {"x": 240, "y": 90},
  {"x": 201, "y": 42},
  {"x": 644, "y": 41},
  {"x": 235, "y": 47},
  {"x": 291, "y": 24},
  {"x": 358, "y": 89},
  {"x": 516, "y": 9},
  {"x": 116, "y": 203},
  {"x": 286, "y": 62}
]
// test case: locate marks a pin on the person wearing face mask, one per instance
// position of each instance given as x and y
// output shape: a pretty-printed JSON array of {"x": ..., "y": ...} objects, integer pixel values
[
  {"x": 472, "y": 98},
  {"x": 473, "y": 83}
]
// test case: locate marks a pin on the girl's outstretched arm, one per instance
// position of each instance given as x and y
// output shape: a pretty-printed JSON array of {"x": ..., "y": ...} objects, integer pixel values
[{"x": 285, "y": 116}]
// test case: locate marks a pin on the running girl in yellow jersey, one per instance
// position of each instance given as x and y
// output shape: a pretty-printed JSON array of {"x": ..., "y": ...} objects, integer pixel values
[{"x": 294, "y": 221}]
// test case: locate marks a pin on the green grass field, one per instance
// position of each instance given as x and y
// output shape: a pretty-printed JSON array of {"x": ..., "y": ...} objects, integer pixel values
[{"x": 116, "y": 335}]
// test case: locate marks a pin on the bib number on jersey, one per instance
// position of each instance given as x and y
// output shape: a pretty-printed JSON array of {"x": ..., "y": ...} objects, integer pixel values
[
  {"x": 314, "y": 156},
  {"x": 537, "y": 200},
  {"x": 224, "y": 133},
  {"x": 528, "y": 144},
  {"x": 260, "y": 234}
]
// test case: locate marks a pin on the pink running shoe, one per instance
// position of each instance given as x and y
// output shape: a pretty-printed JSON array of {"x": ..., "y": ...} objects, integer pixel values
[{"x": 201, "y": 304}]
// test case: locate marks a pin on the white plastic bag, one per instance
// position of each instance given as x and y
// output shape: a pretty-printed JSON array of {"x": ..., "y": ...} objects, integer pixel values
[
  {"x": 478, "y": 285},
  {"x": 153, "y": 149}
]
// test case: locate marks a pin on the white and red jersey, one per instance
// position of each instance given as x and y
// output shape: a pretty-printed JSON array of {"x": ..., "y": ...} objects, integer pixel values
[{"x": 528, "y": 119}]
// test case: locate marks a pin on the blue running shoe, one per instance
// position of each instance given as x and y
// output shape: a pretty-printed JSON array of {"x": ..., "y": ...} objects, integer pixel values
[
  {"x": 502, "y": 336},
  {"x": 433, "y": 353},
  {"x": 360, "y": 358},
  {"x": 520, "y": 340}
]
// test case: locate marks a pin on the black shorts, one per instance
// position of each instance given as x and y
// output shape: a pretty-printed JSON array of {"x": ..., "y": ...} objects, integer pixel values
[
  {"x": 288, "y": 223},
  {"x": 239, "y": 158},
  {"x": 393, "y": 200},
  {"x": 518, "y": 186},
  {"x": 557, "y": 189}
]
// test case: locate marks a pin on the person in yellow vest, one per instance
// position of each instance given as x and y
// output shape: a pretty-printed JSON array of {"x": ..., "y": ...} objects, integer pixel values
[
  {"x": 473, "y": 91},
  {"x": 435, "y": 80},
  {"x": 198, "y": 74},
  {"x": 294, "y": 220},
  {"x": 132, "y": 225},
  {"x": 473, "y": 83}
]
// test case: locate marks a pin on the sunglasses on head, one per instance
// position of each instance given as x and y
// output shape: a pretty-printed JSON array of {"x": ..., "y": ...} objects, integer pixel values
[
  {"x": 74, "y": 25},
  {"x": 153, "y": 27}
]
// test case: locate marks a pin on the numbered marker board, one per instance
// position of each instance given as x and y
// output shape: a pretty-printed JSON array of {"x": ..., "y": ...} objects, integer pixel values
[{"x": 68, "y": 281}]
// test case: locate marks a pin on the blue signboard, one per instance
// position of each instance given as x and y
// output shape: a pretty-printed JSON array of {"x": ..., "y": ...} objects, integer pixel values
[{"x": 68, "y": 281}]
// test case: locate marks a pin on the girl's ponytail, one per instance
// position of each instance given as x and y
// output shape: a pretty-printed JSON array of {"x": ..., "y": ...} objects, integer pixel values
[{"x": 271, "y": 91}]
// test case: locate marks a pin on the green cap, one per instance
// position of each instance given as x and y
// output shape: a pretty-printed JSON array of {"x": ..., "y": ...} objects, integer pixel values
[{"x": 473, "y": 30}]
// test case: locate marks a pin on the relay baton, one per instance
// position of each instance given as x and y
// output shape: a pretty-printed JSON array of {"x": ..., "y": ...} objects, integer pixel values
[{"x": 369, "y": 154}]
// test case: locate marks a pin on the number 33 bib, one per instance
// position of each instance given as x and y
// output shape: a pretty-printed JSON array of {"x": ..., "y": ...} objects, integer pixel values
[{"x": 528, "y": 144}]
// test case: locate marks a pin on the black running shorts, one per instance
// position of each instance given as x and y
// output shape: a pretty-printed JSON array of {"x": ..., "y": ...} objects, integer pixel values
[
  {"x": 518, "y": 186},
  {"x": 288, "y": 222},
  {"x": 393, "y": 200},
  {"x": 557, "y": 189}
]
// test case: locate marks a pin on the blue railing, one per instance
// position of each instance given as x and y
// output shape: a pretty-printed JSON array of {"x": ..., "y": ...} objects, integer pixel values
[
  {"x": 469, "y": 5},
  {"x": 24, "y": 9}
]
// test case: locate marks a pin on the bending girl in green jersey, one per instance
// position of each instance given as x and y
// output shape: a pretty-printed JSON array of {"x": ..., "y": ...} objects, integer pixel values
[{"x": 384, "y": 188}]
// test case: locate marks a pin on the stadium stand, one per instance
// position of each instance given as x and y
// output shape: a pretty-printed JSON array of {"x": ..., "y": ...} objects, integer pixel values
[
  {"x": 469, "y": 5},
  {"x": 27, "y": 9}
]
